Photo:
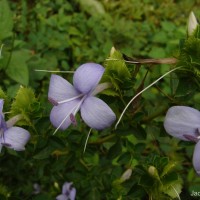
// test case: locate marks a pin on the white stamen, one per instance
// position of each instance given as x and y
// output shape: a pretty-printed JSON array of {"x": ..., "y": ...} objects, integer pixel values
[
  {"x": 87, "y": 140},
  {"x": 141, "y": 93},
  {"x": 176, "y": 193},
  {"x": 43, "y": 70},
  {"x": 71, "y": 112},
  {"x": 71, "y": 99},
  {"x": 63, "y": 122}
]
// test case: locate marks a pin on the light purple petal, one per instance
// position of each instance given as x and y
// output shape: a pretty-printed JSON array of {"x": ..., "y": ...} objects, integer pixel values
[
  {"x": 1, "y": 111},
  {"x": 196, "y": 158},
  {"x": 61, "y": 197},
  {"x": 66, "y": 187},
  {"x": 182, "y": 120},
  {"x": 87, "y": 77},
  {"x": 69, "y": 191},
  {"x": 72, "y": 194},
  {"x": 16, "y": 138},
  {"x": 1, "y": 105},
  {"x": 96, "y": 113},
  {"x": 60, "y": 112},
  {"x": 60, "y": 89}
]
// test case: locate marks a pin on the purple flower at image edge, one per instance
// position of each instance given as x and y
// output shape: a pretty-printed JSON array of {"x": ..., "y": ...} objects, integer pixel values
[
  {"x": 183, "y": 123},
  {"x": 68, "y": 192},
  {"x": 68, "y": 99},
  {"x": 12, "y": 137}
]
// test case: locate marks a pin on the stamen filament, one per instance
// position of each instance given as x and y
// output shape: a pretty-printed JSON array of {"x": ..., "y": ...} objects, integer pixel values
[
  {"x": 176, "y": 192},
  {"x": 87, "y": 140},
  {"x": 63, "y": 120},
  {"x": 71, "y": 99},
  {"x": 142, "y": 92},
  {"x": 77, "y": 107}
]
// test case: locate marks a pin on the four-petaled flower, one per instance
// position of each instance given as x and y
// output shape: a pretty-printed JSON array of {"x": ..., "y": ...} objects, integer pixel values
[
  {"x": 184, "y": 123},
  {"x": 68, "y": 99},
  {"x": 68, "y": 192},
  {"x": 11, "y": 136}
]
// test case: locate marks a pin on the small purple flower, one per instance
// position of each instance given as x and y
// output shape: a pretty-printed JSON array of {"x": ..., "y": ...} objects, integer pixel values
[
  {"x": 11, "y": 136},
  {"x": 68, "y": 99},
  {"x": 36, "y": 188},
  {"x": 184, "y": 123},
  {"x": 68, "y": 192}
]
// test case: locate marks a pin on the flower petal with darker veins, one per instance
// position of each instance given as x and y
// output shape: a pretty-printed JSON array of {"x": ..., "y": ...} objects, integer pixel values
[
  {"x": 96, "y": 113},
  {"x": 196, "y": 158},
  {"x": 87, "y": 77},
  {"x": 15, "y": 138},
  {"x": 182, "y": 120},
  {"x": 63, "y": 112},
  {"x": 60, "y": 89}
]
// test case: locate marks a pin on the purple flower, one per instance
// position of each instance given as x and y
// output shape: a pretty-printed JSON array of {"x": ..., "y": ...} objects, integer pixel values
[
  {"x": 68, "y": 192},
  {"x": 68, "y": 99},
  {"x": 184, "y": 123},
  {"x": 36, "y": 188},
  {"x": 11, "y": 136}
]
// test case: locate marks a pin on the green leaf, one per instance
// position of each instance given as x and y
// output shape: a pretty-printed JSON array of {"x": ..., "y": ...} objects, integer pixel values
[
  {"x": 25, "y": 104},
  {"x": 116, "y": 70},
  {"x": 44, "y": 153},
  {"x": 168, "y": 168},
  {"x": 94, "y": 194},
  {"x": 6, "y": 20},
  {"x": 117, "y": 64},
  {"x": 115, "y": 150},
  {"x": 110, "y": 92},
  {"x": 174, "y": 189},
  {"x": 3, "y": 191},
  {"x": 186, "y": 87},
  {"x": 157, "y": 52},
  {"x": 43, "y": 197},
  {"x": 92, "y": 7},
  {"x": 17, "y": 68},
  {"x": 2, "y": 94}
]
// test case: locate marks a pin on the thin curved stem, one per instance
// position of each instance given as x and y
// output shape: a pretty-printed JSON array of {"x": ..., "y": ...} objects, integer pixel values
[{"x": 141, "y": 93}]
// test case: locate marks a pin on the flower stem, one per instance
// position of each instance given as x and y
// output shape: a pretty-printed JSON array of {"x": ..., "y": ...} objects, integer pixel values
[
  {"x": 152, "y": 61},
  {"x": 104, "y": 139}
]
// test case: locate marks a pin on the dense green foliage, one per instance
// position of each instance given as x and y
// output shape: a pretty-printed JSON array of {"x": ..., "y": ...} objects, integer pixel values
[{"x": 61, "y": 35}]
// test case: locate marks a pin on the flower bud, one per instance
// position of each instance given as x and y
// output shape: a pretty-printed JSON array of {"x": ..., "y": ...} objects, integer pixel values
[
  {"x": 126, "y": 175},
  {"x": 153, "y": 172},
  {"x": 192, "y": 23}
]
